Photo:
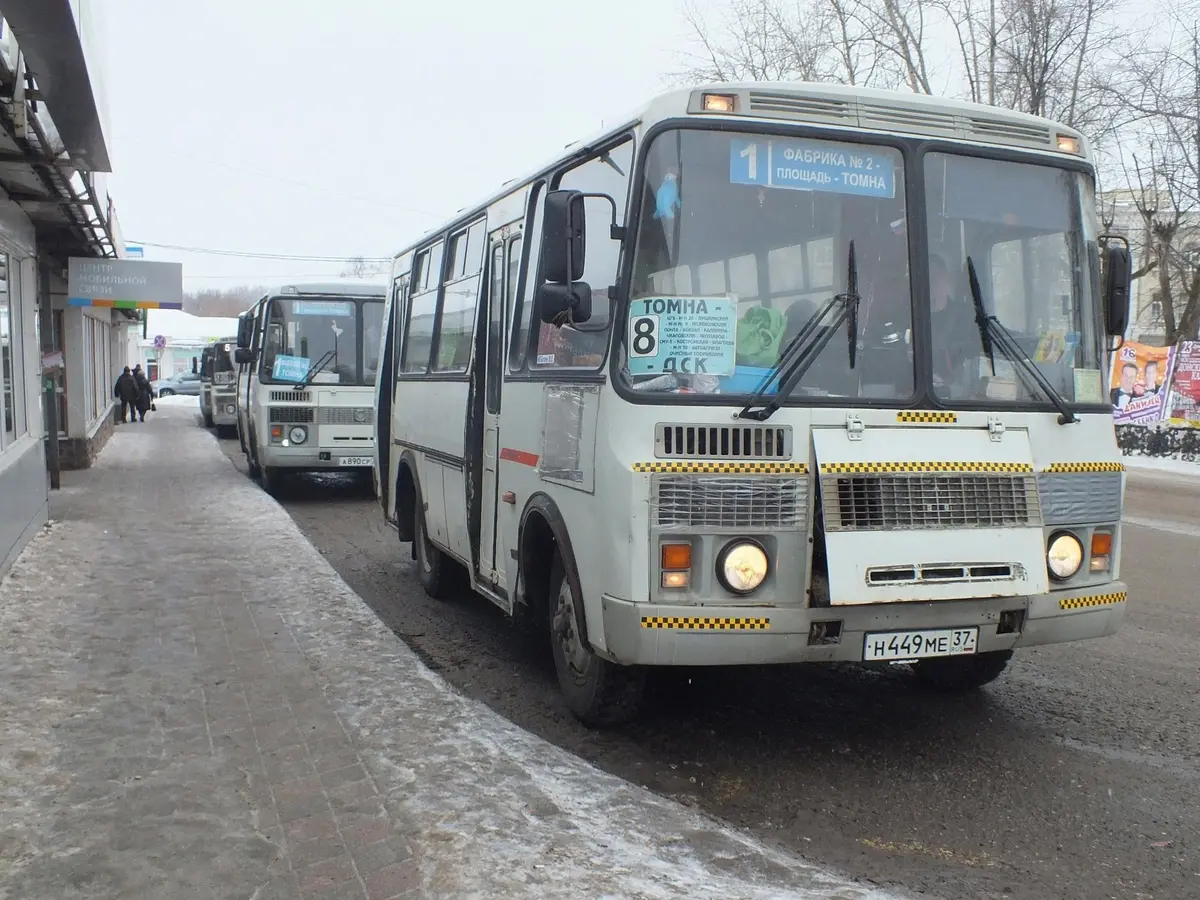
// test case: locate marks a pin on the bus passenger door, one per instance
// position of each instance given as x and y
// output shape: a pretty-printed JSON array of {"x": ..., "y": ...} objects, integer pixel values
[
  {"x": 385, "y": 397},
  {"x": 502, "y": 250}
]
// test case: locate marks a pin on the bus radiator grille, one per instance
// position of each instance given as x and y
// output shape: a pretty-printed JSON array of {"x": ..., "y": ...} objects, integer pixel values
[
  {"x": 736, "y": 502},
  {"x": 345, "y": 415},
  {"x": 291, "y": 415},
  {"x": 917, "y": 502}
]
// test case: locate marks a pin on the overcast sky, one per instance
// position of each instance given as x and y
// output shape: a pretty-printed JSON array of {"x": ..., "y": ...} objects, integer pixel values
[{"x": 266, "y": 126}]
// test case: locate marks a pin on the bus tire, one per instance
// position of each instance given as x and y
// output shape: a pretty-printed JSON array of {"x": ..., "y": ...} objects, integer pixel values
[
  {"x": 208, "y": 420},
  {"x": 252, "y": 467},
  {"x": 955, "y": 675},
  {"x": 438, "y": 573},
  {"x": 598, "y": 692},
  {"x": 270, "y": 477}
]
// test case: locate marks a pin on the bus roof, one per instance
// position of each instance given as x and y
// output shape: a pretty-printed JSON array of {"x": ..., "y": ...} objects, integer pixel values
[
  {"x": 812, "y": 103},
  {"x": 343, "y": 289},
  {"x": 872, "y": 109}
]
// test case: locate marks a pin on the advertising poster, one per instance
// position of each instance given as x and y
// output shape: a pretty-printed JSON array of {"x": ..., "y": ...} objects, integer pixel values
[
  {"x": 1183, "y": 399},
  {"x": 1138, "y": 383}
]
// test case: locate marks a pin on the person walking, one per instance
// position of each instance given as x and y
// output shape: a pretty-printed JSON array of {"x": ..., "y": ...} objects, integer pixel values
[
  {"x": 126, "y": 391},
  {"x": 145, "y": 393}
]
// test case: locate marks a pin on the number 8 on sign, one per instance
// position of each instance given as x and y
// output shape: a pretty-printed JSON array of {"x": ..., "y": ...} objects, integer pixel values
[{"x": 643, "y": 336}]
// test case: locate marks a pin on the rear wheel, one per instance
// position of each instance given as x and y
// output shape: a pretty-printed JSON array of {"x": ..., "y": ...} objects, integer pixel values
[
  {"x": 166, "y": 392},
  {"x": 598, "y": 692},
  {"x": 959, "y": 674},
  {"x": 439, "y": 575},
  {"x": 271, "y": 479}
]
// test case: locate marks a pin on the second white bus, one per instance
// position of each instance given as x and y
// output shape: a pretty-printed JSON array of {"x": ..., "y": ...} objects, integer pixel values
[{"x": 307, "y": 358}]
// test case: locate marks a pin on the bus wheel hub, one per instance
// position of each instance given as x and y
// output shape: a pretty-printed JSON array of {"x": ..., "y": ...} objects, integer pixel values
[{"x": 566, "y": 632}]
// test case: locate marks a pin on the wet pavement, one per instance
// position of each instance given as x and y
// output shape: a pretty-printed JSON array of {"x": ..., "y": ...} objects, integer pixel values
[
  {"x": 1077, "y": 775},
  {"x": 197, "y": 706}
]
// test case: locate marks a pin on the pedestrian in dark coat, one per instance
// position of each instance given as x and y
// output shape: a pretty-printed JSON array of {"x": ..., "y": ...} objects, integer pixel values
[
  {"x": 126, "y": 391},
  {"x": 145, "y": 397}
]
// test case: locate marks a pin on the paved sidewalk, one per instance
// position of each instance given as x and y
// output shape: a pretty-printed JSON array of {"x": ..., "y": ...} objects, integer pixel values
[{"x": 196, "y": 706}]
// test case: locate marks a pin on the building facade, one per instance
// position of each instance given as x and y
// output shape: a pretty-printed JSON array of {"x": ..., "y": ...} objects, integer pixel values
[
  {"x": 56, "y": 361},
  {"x": 1146, "y": 324}
]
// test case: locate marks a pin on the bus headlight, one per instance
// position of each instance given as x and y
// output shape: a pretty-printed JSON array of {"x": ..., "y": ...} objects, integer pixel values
[
  {"x": 1064, "y": 555},
  {"x": 742, "y": 566},
  {"x": 360, "y": 416},
  {"x": 298, "y": 435}
]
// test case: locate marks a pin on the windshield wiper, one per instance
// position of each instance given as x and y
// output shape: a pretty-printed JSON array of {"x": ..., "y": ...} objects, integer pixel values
[
  {"x": 313, "y": 370},
  {"x": 992, "y": 333},
  {"x": 799, "y": 355}
]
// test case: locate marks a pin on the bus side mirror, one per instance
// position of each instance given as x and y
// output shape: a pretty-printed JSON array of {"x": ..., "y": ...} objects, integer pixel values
[
  {"x": 1118, "y": 272},
  {"x": 560, "y": 304},
  {"x": 243, "y": 356},
  {"x": 245, "y": 331},
  {"x": 563, "y": 237}
]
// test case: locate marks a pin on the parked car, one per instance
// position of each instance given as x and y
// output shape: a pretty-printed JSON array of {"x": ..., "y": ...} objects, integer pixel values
[{"x": 180, "y": 383}]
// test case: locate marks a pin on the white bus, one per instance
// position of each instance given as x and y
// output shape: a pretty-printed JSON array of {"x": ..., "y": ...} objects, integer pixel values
[
  {"x": 769, "y": 373},
  {"x": 218, "y": 391},
  {"x": 307, "y": 357}
]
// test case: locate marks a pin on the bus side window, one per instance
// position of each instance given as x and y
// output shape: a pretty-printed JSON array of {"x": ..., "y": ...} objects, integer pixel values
[
  {"x": 605, "y": 174},
  {"x": 460, "y": 296},
  {"x": 421, "y": 310},
  {"x": 523, "y": 303},
  {"x": 399, "y": 308},
  {"x": 495, "y": 337}
]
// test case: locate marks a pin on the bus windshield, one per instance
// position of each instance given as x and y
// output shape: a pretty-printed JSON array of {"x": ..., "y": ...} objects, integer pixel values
[
  {"x": 742, "y": 240},
  {"x": 1029, "y": 233},
  {"x": 319, "y": 339},
  {"x": 220, "y": 364}
]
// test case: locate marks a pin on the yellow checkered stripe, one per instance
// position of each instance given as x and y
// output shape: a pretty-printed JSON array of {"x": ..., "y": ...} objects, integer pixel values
[
  {"x": 707, "y": 623},
  {"x": 722, "y": 468},
  {"x": 923, "y": 415},
  {"x": 1086, "y": 602},
  {"x": 872, "y": 468},
  {"x": 1086, "y": 467}
]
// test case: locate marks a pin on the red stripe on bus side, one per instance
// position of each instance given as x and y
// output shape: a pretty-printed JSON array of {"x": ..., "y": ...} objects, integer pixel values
[{"x": 519, "y": 456}]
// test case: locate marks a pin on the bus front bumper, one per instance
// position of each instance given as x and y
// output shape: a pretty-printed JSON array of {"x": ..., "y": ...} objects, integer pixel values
[
  {"x": 317, "y": 459},
  {"x": 224, "y": 409},
  {"x": 660, "y": 635}
]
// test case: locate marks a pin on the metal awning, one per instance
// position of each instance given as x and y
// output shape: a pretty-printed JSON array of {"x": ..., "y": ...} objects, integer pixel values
[
  {"x": 71, "y": 213},
  {"x": 50, "y": 39}
]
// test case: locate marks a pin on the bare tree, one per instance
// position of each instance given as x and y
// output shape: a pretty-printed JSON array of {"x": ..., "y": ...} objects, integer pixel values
[
  {"x": 760, "y": 40},
  {"x": 1053, "y": 58},
  {"x": 1056, "y": 58},
  {"x": 355, "y": 268},
  {"x": 360, "y": 267},
  {"x": 896, "y": 29}
]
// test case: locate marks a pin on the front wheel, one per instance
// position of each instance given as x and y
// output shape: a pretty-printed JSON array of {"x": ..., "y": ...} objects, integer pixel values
[
  {"x": 959, "y": 674},
  {"x": 438, "y": 573},
  {"x": 208, "y": 420},
  {"x": 270, "y": 478},
  {"x": 598, "y": 692}
]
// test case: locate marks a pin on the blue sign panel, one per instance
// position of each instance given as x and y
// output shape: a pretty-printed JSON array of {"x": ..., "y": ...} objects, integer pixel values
[
  {"x": 290, "y": 368},
  {"x": 323, "y": 308},
  {"x": 812, "y": 166},
  {"x": 682, "y": 335}
]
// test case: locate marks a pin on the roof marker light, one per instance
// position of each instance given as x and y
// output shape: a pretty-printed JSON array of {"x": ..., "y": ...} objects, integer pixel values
[
  {"x": 1067, "y": 143},
  {"x": 720, "y": 103}
]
